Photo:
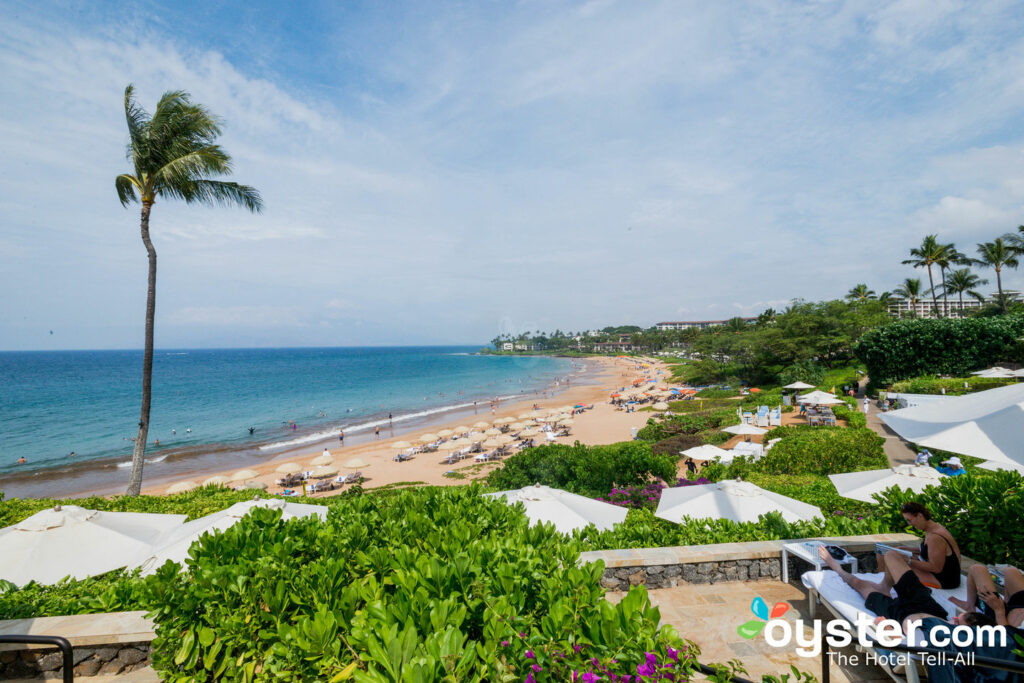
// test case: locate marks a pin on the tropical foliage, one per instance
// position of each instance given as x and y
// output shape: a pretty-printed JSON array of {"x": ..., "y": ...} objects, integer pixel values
[{"x": 822, "y": 450}]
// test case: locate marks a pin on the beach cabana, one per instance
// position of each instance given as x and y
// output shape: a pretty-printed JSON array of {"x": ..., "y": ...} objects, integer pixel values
[
  {"x": 863, "y": 485},
  {"x": 745, "y": 429},
  {"x": 739, "y": 501},
  {"x": 987, "y": 424},
  {"x": 77, "y": 542},
  {"x": 820, "y": 398},
  {"x": 799, "y": 386},
  {"x": 567, "y": 511},
  {"x": 174, "y": 545}
]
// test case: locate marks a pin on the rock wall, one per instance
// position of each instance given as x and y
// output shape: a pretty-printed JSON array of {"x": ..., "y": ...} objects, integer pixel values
[{"x": 89, "y": 661}]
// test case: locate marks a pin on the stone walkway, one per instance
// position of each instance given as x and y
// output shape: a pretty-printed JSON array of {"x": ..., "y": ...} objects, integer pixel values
[{"x": 709, "y": 615}]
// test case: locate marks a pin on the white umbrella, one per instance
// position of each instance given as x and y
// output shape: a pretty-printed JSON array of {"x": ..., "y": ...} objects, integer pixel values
[
  {"x": 461, "y": 429},
  {"x": 181, "y": 487},
  {"x": 452, "y": 445},
  {"x": 401, "y": 445},
  {"x": 820, "y": 398},
  {"x": 77, "y": 542},
  {"x": 660, "y": 406},
  {"x": 321, "y": 460},
  {"x": 427, "y": 438},
  {"x": 739, "y": 501},
  {"x": 481, "y": 425},
  {"x": 994, "y": 466},
  {"x": 503, "y": 421},
  {"x": 529, "y": 431},
  {"x": 445, "y": 433},
  {"x": 504, "y": 439},
  {"x": 324, "y": 472},
  {"x": 707, "y": 452},
  {"x": 217, "y": 480},
  {"x": 567, "y": 511},
  {"x": 255, "y": 485},
  {"x": 744, "y": 428},
  {"x": 492, "y": 443},
  {"x": 242, "y": 475},
  {"x": 799, "y": 385},
  {"x": 997, "y": 371},
  {"x": 517, "y": 426},
  {"x": 289, "y": 468},
  {"x": 526, "y": 416},
  {"x": 355, "y": 463},
  {"x": 861, "y": 485},
  {"x": 174, "y": 545},
  {"x": 492, "y": 432}
]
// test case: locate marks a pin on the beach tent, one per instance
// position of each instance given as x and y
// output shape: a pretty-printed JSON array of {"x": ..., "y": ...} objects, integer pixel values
[
  {"x": 820, "y": 398},
  {"x": 77, "y": 542},
  {"x": 739, "y": 501},
  {"x": 987, "y": 424},
  {"x": 175, "y": 544},
  {"x": 862, "y": 485},
  {"x": 799, "y": 386},
  {"x": 744, "y": 428},
  {"x": 707, "y": 452},
  {"x": 567, "y": 511}
]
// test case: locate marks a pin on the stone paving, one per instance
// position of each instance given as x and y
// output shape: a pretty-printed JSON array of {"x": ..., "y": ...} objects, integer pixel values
[{"x": 708, "y": 615}]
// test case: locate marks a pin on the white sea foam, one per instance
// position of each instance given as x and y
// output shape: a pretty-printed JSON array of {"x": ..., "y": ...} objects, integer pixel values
[{"x": 159, "y": 458}]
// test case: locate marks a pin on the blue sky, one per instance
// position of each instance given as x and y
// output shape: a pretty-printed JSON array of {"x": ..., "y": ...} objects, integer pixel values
[{"x": 442, "y": 172}]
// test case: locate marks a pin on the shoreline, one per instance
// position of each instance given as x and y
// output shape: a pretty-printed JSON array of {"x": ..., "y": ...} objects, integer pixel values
[{"x": 599, "y": 376}]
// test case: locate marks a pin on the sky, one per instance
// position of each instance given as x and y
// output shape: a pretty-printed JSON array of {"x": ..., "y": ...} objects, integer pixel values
[{"x": 444, "y": 172}]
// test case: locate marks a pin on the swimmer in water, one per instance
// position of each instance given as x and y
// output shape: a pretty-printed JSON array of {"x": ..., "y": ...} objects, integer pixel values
[
  {"x": 251, "y": 430},
  {"x": 188, "y": 431},
  {"x": 157, "y": 442},
  {"x": 174, "y": 431},
  {"x": 22, "y": 460},
  {"x": 71, "y": 454}
]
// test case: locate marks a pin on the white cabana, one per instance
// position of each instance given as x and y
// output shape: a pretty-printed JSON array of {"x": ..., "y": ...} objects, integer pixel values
[
  {"x": 820, "y": 398},
  {"x": 567, "y": 511},
  {"x": 987, "y": 424},
  {"x": 739, "y": 501},
  {"x": 862, "y": 485},
  {"x": 175, "y": 544},
  {"x": 77, "y": 542},
  {"x": 744, "y": 428},
  {"x": 707, "y": 452}
]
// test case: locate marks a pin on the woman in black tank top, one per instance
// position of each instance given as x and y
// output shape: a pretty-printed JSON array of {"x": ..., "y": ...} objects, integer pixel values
[{"x": 938, "y": 564}]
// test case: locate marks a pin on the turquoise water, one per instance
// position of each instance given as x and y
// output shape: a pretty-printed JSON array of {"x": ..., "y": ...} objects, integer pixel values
[{"x": 53, "y": 403}]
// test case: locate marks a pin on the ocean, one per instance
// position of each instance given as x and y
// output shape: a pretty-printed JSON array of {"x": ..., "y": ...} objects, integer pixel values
[{"x": 205, "y": 400}]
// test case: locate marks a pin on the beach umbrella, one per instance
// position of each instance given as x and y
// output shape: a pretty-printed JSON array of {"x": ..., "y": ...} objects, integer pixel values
[
  {"x": 517, "y": 426},
  {"x": 799, "y": 386},
  {"x": 324, "y": 472},
  {"x": 321, "y": 460},
  {"x": 707, "y": 452},
  {"x": 744, "y": 428},
  {"x": 74, "y": 541},
  {"x": 218, "y": 480},
  {"x": 255, "y": 485},
  {"x": 445, "y": 433},
  {"x": 660, "y": 406},
  {"x": 242, "y": 475},
  {"x": 289, "y": 468},
  {"x": 427, "y": 438},
  {"x": 181, "y": 487},
  {"x": 567, "y": 511},
  {"x": 481, "y": 425},
  {"x": 175, "y": 545},
  {"x": 492, "y": 432},
  {"x": 355, "y": 463},
  {"x": 452, "y": 445},
  {"x": 401, "y": 445},
  {"x": 567, "y": 422},
  {"x": 820, "y": 398},
  {"x": 503, "y": 421},
  {"x": 529, "y": 431},
  {"x": 461, "y": 429},
  {"x": 526, "y": 416},
  {"x": 739, "y": 501},
  {"x": 504, "y": 439},
  {"x": 492, "y": 443},
  {"x": 862, "y": 485}
]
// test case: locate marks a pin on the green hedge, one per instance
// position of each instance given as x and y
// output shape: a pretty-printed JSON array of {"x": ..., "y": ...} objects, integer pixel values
[
  {"x": 954, "y": 386},
  {"x": 853, "y": 416},
  {"x": 822, "y": 450},
  {"x": 943, "y": 346}
]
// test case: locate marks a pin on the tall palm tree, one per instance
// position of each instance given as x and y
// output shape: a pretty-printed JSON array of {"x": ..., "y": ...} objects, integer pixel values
[
  {"x": 949, "y": 257},
  {"x": 174, "y": 156},
  {"x": 910, "y": 289},
  {"x": 1016, "y": 239},
  {"x": 925, "y": 256},
  {"x": 997, "y": 255},
  {"x": 860, "y": 293},
  {"x": 961, "y": 281}
]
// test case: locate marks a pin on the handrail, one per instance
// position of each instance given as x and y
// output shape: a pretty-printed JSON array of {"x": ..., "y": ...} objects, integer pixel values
[{"x": 57, "y": 641}]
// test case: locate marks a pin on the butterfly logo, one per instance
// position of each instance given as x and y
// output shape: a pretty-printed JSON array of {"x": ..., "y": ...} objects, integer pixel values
[{"x": 759, "y": 607}]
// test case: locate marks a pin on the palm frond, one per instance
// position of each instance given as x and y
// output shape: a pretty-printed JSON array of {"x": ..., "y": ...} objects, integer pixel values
[
  {"x": 204, "y": 191},
  {"x": 126, "y": 185},
  {"x": 192, "y": 166}
]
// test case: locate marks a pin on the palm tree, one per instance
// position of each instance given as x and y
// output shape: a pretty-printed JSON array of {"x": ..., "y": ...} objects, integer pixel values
[
  {"x": 950, "y": 256},
  {"x": 885, "y": 297},
  {"x": 925, "y": 256},
  {"x": 1016, "y": 239},
  {"x": 910, "y": 290},
  {"x": 997, "y": 255},
  {"x": 961, "y": 281},
  {"x": 860, "y": 293},
  {"x": 173, "y": 155}
]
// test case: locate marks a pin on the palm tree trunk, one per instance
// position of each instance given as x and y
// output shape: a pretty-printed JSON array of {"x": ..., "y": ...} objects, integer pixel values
[
  {"x": 999, "y": 283},
  {"x": 945, "y": 301},
  {"x": 138, "y": 455},
  {"x": 961, "y": 303},
  {"x": 935, "y": 300}
]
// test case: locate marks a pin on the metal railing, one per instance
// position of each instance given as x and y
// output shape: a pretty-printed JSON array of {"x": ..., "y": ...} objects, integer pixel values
[{"x": 63, "y": 644}]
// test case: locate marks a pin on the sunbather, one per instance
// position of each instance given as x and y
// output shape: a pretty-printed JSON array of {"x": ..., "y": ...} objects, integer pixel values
[
  {"x": 938, "y": 563},
  {"x": 1008, "y": 612}
]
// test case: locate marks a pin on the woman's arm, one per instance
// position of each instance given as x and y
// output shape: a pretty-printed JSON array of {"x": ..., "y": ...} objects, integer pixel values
[{"x": 936, "y": 556}]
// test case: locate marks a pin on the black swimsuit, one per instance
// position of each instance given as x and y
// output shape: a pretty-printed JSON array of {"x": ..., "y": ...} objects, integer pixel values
[{"x": 949, "y": 575}]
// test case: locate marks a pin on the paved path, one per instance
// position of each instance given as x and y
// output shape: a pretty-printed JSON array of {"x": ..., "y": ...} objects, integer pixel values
[{"x": 896, "y": 449}]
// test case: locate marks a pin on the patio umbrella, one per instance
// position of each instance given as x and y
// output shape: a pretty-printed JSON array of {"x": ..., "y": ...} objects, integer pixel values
[
  {"x": 321, "y": 460},
  {"x": 242, "y": 475},
  {"x": 517, "y": 426},
  {"x": 504, "y": 439},
  {"x": 77, "y": 542},
  {"x": 461, "y": 429},
  {"x": 739, "y": 501},
  {"x": 175, "y": 545},
  {"x": 994, "y": 466},
  {"x": 427, "y": 438},
  {"x": 492, "y": 432},
  {"x": 445, "y": 433},
  {"x": 355, "y": 463},
  {"x": 452, "y": 445},
  {"x": 481, "y": 425},
  {"x": 324, "y": 472},
  {"x": 567, "y": 511},
  {"x": 744, "y": 428},
  {"x": 401, "y": 445},
  {"x": 799, "y": 386},
  {"x": 492, "y": 443},
  {"x": 217, "y": 480},
  {"x": 707, "y": 452},
  {"x": 181, "y": 487},
  {"x": 660, "y": 406},
  {"x": 289, "y": 468},
  {"x": 862, "y": 485},
  {"x": 820, "y": 398}
]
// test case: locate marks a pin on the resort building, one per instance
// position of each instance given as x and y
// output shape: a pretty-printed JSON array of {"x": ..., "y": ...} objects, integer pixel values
[
  {"x": 926, "y": 308},
  {"x": 696, "y": 324}
]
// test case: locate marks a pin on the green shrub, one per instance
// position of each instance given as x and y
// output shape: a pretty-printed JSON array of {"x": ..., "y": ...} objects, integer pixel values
[
  {"x": 853, "y": 417},
  {"x": 587, "y": 470},
  {"x": 954, "y": 386},
  {"x": 822, "y": 450},
  {"x": 717, "y": 393},
  {"x": 808, "y": 371}
]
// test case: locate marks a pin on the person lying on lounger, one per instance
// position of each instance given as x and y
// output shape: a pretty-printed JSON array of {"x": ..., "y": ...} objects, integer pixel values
[{"x": 981, "y": 594}]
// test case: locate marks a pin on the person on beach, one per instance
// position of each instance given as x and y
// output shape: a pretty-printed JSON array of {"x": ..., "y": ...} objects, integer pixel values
[
  {"x": 389, "y": 418},
  {"x": 341, "y": 437},
  {"x": 376, "y": 431}
]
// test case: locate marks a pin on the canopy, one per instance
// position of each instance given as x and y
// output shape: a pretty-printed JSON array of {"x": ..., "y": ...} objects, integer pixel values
[
  {"x": 987, "y": 424},
  {"x": 174, "y": 545},
  {"x": 744, "y": 428},
  {"x": 567, "y": 511},
  {"x": 739, "y": 501},
  {"x": 707, "y": 452},
  {"x": 75, "y": 541},
  {"x": 820, "y": 398},
  {"x": 799, "y": 385},
  {"x": 862, "y": 485}
]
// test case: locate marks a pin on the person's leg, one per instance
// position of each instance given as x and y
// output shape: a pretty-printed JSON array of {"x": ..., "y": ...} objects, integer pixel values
[
  {"x": 864, "y": 588},
  {"x": 977, "y": 576},
  {"x": 1014, "y": 580}
]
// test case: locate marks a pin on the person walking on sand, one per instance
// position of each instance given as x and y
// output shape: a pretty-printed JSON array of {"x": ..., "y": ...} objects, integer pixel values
[
  {"x": 376, "y": 432},
  {"x": 341, "y": 437}
]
